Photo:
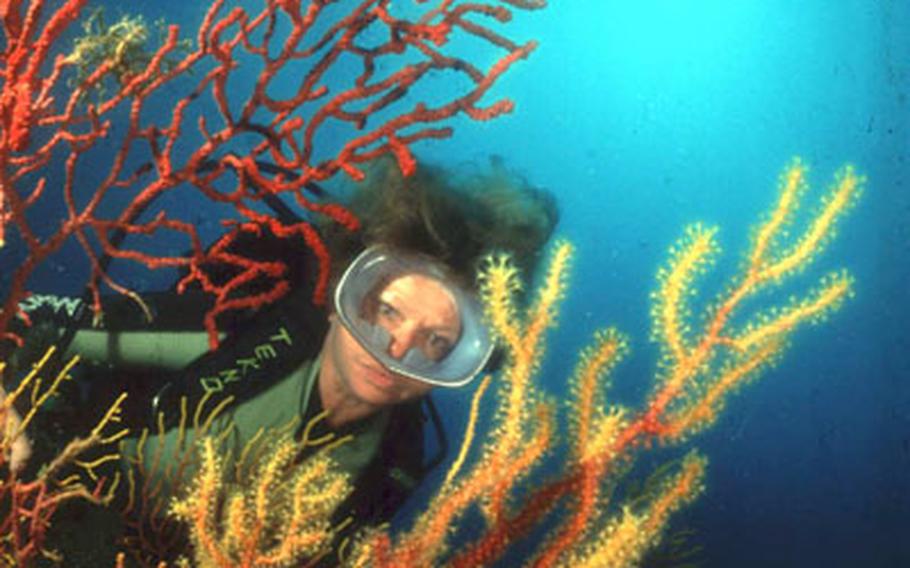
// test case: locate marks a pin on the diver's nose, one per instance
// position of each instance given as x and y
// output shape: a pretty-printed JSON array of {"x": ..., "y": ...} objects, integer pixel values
[{"x": 402, "y": 339}]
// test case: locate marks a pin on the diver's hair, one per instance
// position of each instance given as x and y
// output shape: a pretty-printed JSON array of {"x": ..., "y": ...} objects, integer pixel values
[{"x": 457, "y": 218}]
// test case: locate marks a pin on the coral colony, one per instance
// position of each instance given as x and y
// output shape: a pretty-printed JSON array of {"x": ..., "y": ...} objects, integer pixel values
[{"x": 63, "y": 99}]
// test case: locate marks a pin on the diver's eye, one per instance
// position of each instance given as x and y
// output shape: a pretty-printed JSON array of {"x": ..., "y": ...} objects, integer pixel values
[
  {"x": 437, "y": 346},
  {"x": 387, "y": 311}
]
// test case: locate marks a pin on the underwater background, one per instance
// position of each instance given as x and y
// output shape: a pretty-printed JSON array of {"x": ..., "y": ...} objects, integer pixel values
[{"x": 645, "y": 116}]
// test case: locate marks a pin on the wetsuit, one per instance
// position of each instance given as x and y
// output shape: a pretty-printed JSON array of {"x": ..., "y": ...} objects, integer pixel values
[{"x": 268, "y": 360}]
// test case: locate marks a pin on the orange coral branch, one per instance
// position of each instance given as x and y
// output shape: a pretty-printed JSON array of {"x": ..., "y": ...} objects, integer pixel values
[
  {"x": 313, "y": 41},
  {"x": 692, "y": 388}
]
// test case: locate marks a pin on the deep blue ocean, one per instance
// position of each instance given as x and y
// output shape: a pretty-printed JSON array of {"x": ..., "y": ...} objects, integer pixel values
[{"x": 645, "y": 116}]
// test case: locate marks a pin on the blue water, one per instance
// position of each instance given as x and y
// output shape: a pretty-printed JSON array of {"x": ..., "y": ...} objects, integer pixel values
[{"x": 645, "y": 116}]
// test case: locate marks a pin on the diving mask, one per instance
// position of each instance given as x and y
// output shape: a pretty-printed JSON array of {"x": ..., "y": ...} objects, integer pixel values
[{"x": 375, "y": 297}]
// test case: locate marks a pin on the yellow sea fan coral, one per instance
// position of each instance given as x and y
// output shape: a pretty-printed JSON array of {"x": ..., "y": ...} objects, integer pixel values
[
  {"x": 630, "y": 534},
  {"x": 702, "y": 363},
  {"x": 277, "y": 517}
]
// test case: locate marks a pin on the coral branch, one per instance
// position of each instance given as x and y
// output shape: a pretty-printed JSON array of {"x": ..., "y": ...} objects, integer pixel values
[
  {"x": 29, "y": 506},
  {"x": 273, "y": 518},
  {"x": 243, "y": 132},
  {"x": 696, "y": 375}
]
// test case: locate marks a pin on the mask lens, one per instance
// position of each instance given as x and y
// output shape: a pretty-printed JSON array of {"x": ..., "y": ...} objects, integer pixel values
[
  {"x": 419, "y": 313},
  {"x": 408, "y": 315}
]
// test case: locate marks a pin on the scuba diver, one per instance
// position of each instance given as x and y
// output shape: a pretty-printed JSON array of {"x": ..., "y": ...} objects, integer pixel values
[{"x": 403, "y": 318}]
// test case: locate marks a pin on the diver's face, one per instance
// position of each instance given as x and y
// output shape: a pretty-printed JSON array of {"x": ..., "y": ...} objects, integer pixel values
[{"x": 418, "y": 312}]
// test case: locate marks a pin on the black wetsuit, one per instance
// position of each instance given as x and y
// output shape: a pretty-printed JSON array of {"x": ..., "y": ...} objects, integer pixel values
[{"x": 380, "y": 488}]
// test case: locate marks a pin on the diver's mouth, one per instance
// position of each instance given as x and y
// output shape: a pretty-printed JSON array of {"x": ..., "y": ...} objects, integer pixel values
[{"x": 380, "y": 378}]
